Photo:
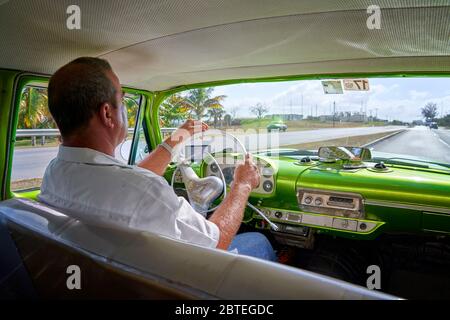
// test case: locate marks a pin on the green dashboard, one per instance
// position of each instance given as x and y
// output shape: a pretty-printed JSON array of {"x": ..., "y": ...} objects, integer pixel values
[{"x": 304, "y": 195}]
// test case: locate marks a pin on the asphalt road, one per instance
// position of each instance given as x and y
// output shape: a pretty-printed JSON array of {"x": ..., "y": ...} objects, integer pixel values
[
  {"x": 31, "y": 162},
  {"x": 419, "y": 142},
  {"x": 274, "y": 140},
  {"x": 435, "y": 144}
]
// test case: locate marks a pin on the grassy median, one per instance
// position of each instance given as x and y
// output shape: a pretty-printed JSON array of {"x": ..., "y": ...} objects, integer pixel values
[{"x": 355, "y": 141}]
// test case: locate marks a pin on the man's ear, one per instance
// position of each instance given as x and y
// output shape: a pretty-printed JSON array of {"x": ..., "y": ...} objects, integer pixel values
[{"x": 106, "y": 115}]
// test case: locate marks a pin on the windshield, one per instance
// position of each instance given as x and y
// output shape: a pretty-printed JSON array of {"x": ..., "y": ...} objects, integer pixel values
[{"x": 402, "y": 118}]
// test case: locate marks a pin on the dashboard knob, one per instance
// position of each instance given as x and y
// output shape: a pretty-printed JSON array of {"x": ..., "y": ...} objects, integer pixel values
[
  {"x": 267, "y": 172},
  {"x": 268, "y": 186},
  {"x": 308, "y": 200},
  {"x": 380, "y": 166},
  {"x": 278, "y": 214},
  {"x": 214, "y": 168}
]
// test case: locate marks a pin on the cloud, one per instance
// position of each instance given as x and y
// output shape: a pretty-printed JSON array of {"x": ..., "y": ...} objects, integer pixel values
[
  {"x": 390, "y": 99},
  {"x": 418, "y": 94}
]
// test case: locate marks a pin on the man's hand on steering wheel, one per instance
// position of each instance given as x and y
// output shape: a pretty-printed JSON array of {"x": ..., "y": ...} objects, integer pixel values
[
  {"x": 247, "y": 173},
  {"x": 187, "y": 130}
]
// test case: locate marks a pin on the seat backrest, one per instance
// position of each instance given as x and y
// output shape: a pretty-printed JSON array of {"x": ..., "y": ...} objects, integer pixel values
[{"x": 129, "y": 264}]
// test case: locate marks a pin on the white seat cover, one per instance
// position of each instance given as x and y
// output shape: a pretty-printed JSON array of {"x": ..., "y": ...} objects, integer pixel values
[{"x": 210, "y": 272}]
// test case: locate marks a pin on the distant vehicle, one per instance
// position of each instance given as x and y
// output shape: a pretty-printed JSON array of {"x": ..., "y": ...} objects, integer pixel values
[
  {"x": 434, "y": 125},
  {"x": 276, "y": 126},
  {"x": 410, "y": 125}
]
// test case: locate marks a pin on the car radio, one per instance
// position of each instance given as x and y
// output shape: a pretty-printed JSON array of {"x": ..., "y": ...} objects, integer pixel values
[{"x": 342, "y": 204}]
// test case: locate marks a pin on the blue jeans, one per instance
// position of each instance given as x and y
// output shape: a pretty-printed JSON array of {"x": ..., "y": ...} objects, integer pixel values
[{"x": 253, "y": 244}]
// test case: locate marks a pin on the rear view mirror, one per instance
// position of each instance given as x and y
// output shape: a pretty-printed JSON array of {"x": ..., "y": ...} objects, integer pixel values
[{"x": 345, "y": 153}]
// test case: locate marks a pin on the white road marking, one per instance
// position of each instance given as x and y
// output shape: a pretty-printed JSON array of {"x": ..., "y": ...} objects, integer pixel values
[{"x": 444, "y": 142}]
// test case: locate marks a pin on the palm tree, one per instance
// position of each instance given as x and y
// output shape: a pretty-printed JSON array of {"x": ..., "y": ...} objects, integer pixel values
[
  {"x": 173, "y": 109},
  {"x": 33, "y": 110},
  {"x": 216, "y": 114},
  {"x": 131, "y": 103},
  {"x": 198, "y": 101}
]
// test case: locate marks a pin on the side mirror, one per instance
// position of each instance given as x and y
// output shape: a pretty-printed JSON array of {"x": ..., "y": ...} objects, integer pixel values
[
  {"x": 125, "y": 149},
  {"x": 344, "y": 153}
]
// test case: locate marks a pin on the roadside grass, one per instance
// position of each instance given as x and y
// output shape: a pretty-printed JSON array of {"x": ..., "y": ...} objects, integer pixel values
[
  {"x": 26, "y": 143},
  {"x": 356, "y": 141},
  {"x": 303, "y": 124},
  {"x": 26, "y": 184},
  {"x": 49, "y": 142}
]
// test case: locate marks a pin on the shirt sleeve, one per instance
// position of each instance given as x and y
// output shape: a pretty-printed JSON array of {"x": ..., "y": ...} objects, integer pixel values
[{"x": 162, "y": 212}]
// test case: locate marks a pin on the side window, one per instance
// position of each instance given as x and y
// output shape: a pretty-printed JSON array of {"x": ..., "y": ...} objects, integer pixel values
[
  {"x": 37, "y": 140},
  {"x": 37, "y": 137}
]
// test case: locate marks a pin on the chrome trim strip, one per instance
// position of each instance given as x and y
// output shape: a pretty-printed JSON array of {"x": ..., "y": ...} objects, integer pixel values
[
  {"x": 319, "y": 220},
  {"x": 407, "y": 206}
]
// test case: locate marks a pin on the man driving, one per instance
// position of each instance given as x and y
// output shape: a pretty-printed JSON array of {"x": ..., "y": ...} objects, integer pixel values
[{"x": 85, "y": 180}]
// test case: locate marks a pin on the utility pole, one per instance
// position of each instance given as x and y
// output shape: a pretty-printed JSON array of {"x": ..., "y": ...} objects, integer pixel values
[
  {"x": 290, "y": 103},
  {"x": 334, "y": 111},
  {"x": 302, "y": 105},
  {"x": 365, "y": 111}
]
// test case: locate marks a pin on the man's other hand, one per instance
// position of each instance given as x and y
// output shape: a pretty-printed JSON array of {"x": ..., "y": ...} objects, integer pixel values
[
  {"x": 247, "y": 173},
  {"x": 188, "y": 129}
]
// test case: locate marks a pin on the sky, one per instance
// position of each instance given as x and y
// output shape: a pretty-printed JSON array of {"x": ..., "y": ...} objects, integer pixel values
[{"x": 388, "y": 98}]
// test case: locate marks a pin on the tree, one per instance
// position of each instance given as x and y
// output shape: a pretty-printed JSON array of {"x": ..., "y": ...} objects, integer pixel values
[
  {"x": 173, "y": 109},
  {"x": 227, "y": 119},
  {"x": 444, "y": 121},
  {"x": 199, "y": 101},
  {"x": 259, "y": 110},
  {"x": 33, "y": 110},
  {"x": 233, "y": 112},
  {"x": 131, "y": 103},
  {"x": 216, "y": 113},
  {"x": 430, "y": 111}
]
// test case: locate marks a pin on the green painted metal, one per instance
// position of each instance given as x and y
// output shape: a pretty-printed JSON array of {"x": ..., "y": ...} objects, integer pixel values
[
  {"x": 7, "y": 79},
  {"x": 401, "y": 187},
  {"x": 404, "y": 186}
]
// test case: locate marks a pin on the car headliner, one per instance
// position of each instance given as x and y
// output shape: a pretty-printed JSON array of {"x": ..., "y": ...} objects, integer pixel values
[{"x": 157, "y": 45}]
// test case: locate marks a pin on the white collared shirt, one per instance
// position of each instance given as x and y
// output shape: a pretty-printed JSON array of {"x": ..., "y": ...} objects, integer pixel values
[{"x": 96, "y": 188}]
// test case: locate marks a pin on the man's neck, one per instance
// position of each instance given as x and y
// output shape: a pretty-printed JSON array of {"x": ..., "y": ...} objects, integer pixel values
[{"x": 95, "y": 142}]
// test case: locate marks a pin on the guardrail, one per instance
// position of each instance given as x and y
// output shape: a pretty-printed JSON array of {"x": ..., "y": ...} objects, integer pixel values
[{"x": 42, "y": 133}]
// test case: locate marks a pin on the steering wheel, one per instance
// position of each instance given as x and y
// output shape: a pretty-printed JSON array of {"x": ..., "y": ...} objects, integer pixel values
[{"x": 202, "y": 192}]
